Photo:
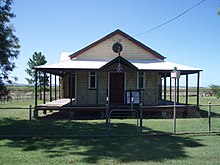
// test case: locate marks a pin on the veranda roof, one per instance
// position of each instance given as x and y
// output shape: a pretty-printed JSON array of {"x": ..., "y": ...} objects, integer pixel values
[{"x": 143, "y": 65}]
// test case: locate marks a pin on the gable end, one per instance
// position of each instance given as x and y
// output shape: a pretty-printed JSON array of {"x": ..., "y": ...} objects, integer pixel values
[{"x": 157, "y": 55}]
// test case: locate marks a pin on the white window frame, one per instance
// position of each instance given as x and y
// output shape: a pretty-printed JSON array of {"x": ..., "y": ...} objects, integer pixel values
[
  {"x": 142, "y": 74},
  {"x": 90, "y": 76}
]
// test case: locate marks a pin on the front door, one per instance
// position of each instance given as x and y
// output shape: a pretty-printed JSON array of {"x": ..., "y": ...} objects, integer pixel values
[{"x": 117, "y": 88}]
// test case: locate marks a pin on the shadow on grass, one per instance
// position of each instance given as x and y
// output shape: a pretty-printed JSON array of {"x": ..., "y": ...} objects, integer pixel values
[
  {"x": 93, "y": 150},
  {"x": 117, "y": 149},
  {"x": 13, "y": 126}
]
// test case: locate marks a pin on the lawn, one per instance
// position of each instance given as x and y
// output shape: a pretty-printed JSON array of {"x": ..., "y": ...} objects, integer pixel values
[
  {"x": 16, "y": 122},
  {"x": 112, "y": 150},
  {"x": 122, "y": 147}
]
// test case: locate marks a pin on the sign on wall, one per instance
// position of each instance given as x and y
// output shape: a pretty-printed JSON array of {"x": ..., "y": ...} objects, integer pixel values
[{"x": 135, "y": 94}]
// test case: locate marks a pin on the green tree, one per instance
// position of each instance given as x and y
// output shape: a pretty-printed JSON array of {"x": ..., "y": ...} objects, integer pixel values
[
  {"x": 9, "y": 47},
  {"x": 36, "y": 60},
  {"x": 215, "y": 89}
]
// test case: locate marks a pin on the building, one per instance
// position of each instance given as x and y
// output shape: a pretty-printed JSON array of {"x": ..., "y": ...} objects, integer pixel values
[{"x": 111, "y": 70}]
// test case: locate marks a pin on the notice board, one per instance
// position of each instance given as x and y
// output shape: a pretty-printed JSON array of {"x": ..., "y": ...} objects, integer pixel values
[{"x": 135, "y": 94}]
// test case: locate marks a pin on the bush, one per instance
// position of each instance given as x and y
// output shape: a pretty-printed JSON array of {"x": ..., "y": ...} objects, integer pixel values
[{"x": 215, "y": 89}]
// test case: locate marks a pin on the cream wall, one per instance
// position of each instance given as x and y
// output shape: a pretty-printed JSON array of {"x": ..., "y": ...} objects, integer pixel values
[
  {"x": 104, "y": 51},
  {"x": 84, "y": 95}
]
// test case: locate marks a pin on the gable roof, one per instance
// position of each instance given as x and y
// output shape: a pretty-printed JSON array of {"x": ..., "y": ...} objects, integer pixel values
[
  {"x": 139, "y": 44},
  {"x": 121, "y": 60}
]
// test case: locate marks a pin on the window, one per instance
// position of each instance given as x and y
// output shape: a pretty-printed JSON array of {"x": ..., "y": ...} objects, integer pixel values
[
  {"x": 140, "y": 80},
  {"x": 92, "y": 80}
]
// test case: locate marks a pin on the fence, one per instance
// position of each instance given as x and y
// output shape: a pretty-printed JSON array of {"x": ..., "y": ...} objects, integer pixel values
[
  {"x": 26, "y": 97},
  {"x": 17, "y": 98},
  {"x": 17, "y": 121},
  {"x": 188, "y": 119}
]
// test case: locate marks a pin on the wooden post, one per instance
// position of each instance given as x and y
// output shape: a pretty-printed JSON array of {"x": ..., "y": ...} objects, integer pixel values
[
  {"x": 107, "y": 117},
  {"x": 44, "y": 101},
  {"x": 44, "y": 111},
  {"x": 141, "y": 117},
  {"x": 178, "y": 90},
  {"x": 71, "y": 88},
  {"x": 50, "y": 87},
  {"x": 209, "y": 118},
  {"x": 165, "y": 89},
  {"x": 30, "y": 119},
  {"x": 40, "y": 85},
  {"x": 187, "y": 87},
  {"x": 174, "y": 109},
  {"x": 55, "y": 87},
  {"x": 59, "y": 88},
  {"x": 35, "y": 111},
  {"x": 97, "y": 88},
  {"x": 170, "y": 88},
  {"x": 198, "y": 77},
  {"x": 35, "y": 87}
]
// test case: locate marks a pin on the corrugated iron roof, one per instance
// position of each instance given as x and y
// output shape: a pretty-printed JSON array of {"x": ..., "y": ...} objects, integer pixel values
[{"x": 153, "y": 65}]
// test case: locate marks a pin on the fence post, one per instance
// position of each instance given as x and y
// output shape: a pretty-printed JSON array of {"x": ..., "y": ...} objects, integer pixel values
[
  {"x": 30, "y": 119},
  {"x": 174, "y": 110},
  {"x": 141, "y": 117},
  {"x": 107, "y": 118},
  {"x": 209, "y": 118}
]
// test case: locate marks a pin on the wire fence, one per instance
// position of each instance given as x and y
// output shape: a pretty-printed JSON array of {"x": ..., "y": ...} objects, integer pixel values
[
  {"x": 27, "y": 97},
  {"x": 19, "y": 121},
  {"x": 189, "y": 119},
  {"x": 18, "y": 97}
]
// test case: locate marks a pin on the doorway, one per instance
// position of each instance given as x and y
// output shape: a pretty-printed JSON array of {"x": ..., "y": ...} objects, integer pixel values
[{"x": 117, "y": 88}]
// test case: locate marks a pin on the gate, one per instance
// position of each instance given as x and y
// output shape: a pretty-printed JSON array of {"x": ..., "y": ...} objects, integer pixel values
[{"x": 123, "y": 122}]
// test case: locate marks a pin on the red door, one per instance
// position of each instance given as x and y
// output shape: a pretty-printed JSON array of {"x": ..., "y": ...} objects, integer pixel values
[{"x": 117, "y": 88}]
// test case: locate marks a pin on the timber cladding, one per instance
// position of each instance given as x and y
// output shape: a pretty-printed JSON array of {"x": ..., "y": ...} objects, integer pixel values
[
  {"x": 102, "y": 87},
  {"x": 150, "y": 94},
  {"x": 84, "y": 95},
  {"x": 64, "y": 87},
  {"x": 131, "y": 80}
]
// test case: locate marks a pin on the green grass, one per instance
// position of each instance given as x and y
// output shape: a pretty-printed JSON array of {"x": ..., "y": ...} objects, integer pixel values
[
  {"x": 22, "y": 104},
  {"x": 112, "y": 150},
  {"x": 16, "y": 122},
  {"x": 115, "y": 149}
]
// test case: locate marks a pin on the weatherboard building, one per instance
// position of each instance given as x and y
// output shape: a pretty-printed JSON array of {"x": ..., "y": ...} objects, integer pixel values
[{"x": 112, "y": 70}]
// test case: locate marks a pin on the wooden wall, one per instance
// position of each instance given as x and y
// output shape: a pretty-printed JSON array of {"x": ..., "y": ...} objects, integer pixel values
[
  {"x": 150, "y": 95},
  {"x": 64, "y": 87},
  {"x": 104, "y": 50},
  {"x": 102, "y": 87},
  {"x": 84, "y": 96}
]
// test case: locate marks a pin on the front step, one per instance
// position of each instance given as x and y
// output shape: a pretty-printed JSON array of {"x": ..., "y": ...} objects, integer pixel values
[{"x": 123, "y": 114}]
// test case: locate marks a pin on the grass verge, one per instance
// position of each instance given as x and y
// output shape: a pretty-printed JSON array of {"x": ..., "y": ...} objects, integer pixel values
[{"x": 112, "y": 150}]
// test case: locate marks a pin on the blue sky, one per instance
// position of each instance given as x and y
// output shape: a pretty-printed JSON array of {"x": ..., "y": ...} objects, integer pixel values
[{"x": 55, "y": 26}]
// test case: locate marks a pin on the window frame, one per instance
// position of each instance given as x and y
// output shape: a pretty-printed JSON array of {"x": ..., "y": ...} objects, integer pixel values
[
  {"x": 92, "y": 74},
  {"x": 141, "y": 76}
]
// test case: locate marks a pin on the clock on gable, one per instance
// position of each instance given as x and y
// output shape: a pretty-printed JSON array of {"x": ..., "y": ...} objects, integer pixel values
[{"x": 117, "y": 47}]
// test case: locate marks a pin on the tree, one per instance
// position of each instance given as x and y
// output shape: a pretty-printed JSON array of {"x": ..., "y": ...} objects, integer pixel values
[
  {"x": 215, "y": 89},
  {"x": 9, "y": 47},
  {"x": 36, "y": 60}
]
